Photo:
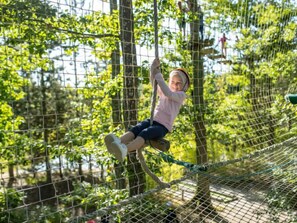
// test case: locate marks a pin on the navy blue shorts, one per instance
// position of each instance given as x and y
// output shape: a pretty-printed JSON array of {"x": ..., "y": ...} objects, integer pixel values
[{"x": 147, "y": 131}]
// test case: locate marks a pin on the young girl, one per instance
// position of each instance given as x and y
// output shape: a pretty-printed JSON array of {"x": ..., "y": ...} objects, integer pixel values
[
  {"x": 171, "y": 98},
  {"x": 223, "y": 41}
]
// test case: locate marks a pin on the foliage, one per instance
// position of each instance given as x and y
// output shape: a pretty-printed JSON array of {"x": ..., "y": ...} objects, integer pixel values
[
  {"x": 10, "y": 200},
  {"x": 282, "y": 195},
  {"x": 157, "y": 209},
  {"x": 93, "y": 197},
  {"x": 47, "y": 214}
]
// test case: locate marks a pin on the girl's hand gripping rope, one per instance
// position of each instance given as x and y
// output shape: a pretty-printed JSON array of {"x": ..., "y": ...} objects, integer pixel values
[{"x": 155, "y": 69}]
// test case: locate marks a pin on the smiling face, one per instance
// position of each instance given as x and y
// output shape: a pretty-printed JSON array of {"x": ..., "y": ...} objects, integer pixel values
[{"x": 175, "y": 82}]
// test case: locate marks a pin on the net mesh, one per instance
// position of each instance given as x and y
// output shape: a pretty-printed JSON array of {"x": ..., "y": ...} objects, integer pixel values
[{"x": 73, "y": 71}]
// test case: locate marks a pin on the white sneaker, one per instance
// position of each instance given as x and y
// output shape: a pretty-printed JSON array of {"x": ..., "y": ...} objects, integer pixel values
[
  {"x": 110, "y": 138},
  {"x": 119, "y": 150}
]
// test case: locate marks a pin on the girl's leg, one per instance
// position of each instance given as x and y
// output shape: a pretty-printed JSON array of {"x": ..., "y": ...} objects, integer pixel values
[
  {"x": 152, "y": 132},
  {"x": 139, "y": 127},
  {"x": 155, "y": 131},
  {"x": 136, "y": 144},
  {"x": 120, "y": 150},
  {"x": 127, "y": 137}
]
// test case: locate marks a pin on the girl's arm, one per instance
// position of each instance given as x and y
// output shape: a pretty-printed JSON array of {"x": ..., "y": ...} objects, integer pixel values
[{"x": 175, "y": 96}]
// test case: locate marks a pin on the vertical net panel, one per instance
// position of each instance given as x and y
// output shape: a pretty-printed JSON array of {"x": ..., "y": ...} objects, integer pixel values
[{"x": 73, "y": 71}]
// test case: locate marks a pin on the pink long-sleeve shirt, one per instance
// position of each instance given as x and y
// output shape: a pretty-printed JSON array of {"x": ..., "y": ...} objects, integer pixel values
[{"x": 169, "y": 103}]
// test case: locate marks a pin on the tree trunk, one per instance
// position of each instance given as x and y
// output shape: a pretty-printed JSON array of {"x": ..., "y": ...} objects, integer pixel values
[
  {"x": 135, "y": 172},
  {"x": 11, "y": 175},
  {"x": 46, "y": 131},
  {"x": 116, "y": 101},
  {"x": 202, "y": 191}
]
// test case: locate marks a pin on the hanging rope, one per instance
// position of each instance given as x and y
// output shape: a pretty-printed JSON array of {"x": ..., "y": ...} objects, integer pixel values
[
  {"x": 155, "y": 84},
  {"x": 148, "y": 171},
  {"x": 154, "y": 97}
]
